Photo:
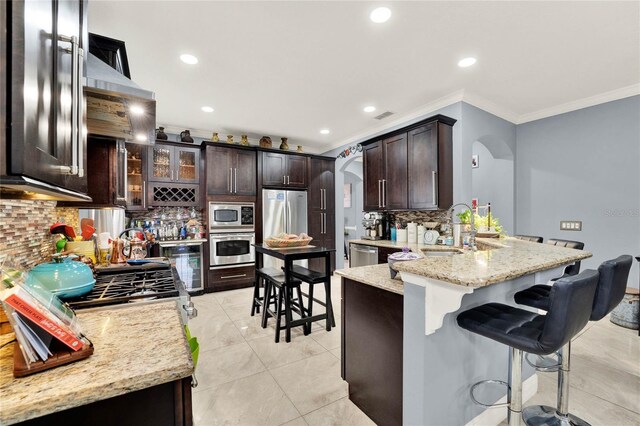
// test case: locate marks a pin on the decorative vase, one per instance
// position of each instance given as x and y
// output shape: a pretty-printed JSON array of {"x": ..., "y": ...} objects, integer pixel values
[
  {"x": 215, "y": 137},
  {"x": 161, "y": 135},
  {"x": 284, "y": 145},
  {"x": 265, "y": 142},
  {"x": 229, "y": 138},
  {"x": 245, "y": 140},
  {"x": 186, "y": 136},
  {"x": 299, "y": 148}
]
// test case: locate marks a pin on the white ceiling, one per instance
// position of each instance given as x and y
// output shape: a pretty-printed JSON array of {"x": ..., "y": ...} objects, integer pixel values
[{"x": 293, "y": 68}]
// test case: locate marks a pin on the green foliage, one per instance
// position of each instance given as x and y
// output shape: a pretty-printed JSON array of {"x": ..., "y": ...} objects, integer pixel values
[{"x": 480, "y": 221}]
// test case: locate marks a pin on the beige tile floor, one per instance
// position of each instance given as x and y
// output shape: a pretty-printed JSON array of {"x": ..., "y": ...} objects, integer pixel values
[{"x": 245, "y": 378}]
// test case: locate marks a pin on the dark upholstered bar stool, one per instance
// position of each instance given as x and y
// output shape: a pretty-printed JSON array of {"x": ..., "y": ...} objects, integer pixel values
[
  {"x": 571, "y": 269},
  {"x": 612, "y": 283},
  {"x": 571, "y": 299},
  {"x": 531, "y": 238}
]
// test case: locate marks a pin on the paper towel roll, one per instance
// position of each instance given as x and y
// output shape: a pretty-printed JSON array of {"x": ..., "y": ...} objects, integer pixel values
[{"x": 412, "y": 232}]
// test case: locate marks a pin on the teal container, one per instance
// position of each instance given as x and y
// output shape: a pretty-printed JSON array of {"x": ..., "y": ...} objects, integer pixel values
[{"x": 64, "y": 278}]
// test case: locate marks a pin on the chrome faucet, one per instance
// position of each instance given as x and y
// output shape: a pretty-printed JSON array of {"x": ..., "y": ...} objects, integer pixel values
[{"x": 472, "y": 236}]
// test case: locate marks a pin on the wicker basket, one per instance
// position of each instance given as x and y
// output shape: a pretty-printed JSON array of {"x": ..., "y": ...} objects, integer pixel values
[{"x": 281, "y": 243}]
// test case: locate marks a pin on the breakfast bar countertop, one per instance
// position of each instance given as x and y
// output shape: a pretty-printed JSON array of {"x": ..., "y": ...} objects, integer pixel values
[
  {"x": 374, "y": 275},
  {"x": 136, "y": 346},
  {"x": 496, "y": 260}
]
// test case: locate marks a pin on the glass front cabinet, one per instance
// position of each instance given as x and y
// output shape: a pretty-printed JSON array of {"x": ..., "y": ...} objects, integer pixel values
[{"x": 173, "y": 163}]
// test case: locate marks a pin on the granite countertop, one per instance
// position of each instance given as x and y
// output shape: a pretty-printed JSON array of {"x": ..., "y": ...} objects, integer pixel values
[
  {"x": 136, "y": 346},
  {"x": 374, "y": 275},
  {"x": 496, "y": 260}
]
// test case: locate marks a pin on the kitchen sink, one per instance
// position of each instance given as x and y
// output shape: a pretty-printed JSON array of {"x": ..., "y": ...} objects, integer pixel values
[{"x": 439, "y": 253}]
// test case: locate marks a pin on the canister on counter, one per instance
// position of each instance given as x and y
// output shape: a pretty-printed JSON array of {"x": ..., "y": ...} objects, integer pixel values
[{"x": 412, "y": 232}]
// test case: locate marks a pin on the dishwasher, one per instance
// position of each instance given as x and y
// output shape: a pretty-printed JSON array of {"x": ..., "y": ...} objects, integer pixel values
[{"x": 362, "y": 255}]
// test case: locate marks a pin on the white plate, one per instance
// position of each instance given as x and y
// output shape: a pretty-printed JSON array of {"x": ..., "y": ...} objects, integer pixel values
[{"x": 430, "y": 237}]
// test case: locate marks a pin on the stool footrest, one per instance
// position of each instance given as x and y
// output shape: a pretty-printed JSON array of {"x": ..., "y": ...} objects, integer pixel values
[
  {"x": 547, "y": 364},
  {"x": 483, "y": 382}
]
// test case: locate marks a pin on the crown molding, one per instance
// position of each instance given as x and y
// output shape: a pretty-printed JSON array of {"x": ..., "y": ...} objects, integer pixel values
[
  {"x": 399, "y": 121},
  {"x": 490, "y": 107},
  {"x": 613, "y": 95}
]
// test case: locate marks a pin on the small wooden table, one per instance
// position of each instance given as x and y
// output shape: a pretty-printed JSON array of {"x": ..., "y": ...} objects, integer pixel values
[{"x": 289, "y": 255}]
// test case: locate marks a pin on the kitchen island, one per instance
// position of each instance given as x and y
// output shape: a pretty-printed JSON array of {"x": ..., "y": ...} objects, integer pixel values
[
  {"x": 439, "y": 360},
  {"x": 139, "y": 373}
]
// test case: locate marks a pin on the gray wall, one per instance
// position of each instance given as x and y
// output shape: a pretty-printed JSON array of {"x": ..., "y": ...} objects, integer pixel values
[
  {"x": 493, "y": 182},
  {"x": 353, "y": 214},
  {"x": 583, "y": 165}
]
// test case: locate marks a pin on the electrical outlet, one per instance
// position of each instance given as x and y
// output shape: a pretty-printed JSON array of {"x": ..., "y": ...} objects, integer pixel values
[{"x": 571, "y": 225}]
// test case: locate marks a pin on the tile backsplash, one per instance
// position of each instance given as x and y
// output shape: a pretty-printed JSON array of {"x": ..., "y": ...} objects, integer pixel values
[
  {"x": 439, "y": 216},
  {"x": 25, "y": 240}
]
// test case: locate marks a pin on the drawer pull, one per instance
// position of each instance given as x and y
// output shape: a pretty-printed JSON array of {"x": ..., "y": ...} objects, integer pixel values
[{"x": 234, "y": 276}]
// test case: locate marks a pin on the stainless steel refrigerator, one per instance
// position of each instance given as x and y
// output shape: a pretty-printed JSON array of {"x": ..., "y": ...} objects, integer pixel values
[{"x": 283, "y": 211}]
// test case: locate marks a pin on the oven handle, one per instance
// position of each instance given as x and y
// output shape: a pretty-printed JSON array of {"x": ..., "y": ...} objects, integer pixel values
[
  {"x": 179, "y": 244},
  {"x": 230, "y": 235}
]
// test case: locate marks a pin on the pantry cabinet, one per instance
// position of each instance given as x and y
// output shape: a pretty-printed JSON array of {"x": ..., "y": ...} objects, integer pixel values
[
  {"x": 411, "y": 168},
  {"x": 321, "y": 207}
]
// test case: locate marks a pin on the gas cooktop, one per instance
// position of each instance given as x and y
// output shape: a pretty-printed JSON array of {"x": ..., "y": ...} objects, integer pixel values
[{"x": 132, "y": 284}]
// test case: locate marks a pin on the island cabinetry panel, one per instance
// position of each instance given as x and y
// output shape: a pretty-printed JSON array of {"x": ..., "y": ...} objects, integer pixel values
[
  {"x": 410, "y": 169},
  {"x": 321, "y": 208},
  {"x": 284, "y": 170},
  {"x": 168, "y": 404},
  {"x": 230, "y": 172},
  {"x": 372, "y": 327},
  {"x": 373, "y": 169}
]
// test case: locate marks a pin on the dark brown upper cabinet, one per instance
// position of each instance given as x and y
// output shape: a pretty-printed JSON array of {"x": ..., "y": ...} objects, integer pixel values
[
  {"x": 230, "y": 171},
  {"x": 410, "y": 169},
  {"x": 44, "y": 45},
  {"x": 284, "y": 170},
  {"x": 174, "y": 163},
  {"x": 394, "y": 183},
  {"x": 373, "y": 170}
]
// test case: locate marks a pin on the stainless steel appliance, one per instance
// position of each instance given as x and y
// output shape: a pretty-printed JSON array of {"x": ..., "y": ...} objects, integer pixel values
[
  {"x": 143, "y": 284},
  {"x": 376, "y": 226},
  {"x": 186, "y": 257},
  {"x": 111, "y": 220},
  {"x": 283, "y": 211},
  {"x": 361, "y": 255},
  {"x": 231, "y": 248},
  {"x": 231, "y": 217}
]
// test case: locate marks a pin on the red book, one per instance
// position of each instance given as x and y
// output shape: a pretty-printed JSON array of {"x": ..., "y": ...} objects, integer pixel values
[{"x": 44, "y": 321}]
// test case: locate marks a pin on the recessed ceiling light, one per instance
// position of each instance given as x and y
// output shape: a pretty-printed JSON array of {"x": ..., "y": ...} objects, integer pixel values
[
  {"x": 136, "y": 109},
  {"x": 207, "y": 109},
  {"x": 466, "y": 62},
  {"x": 369, "y": 108},
  {"x": 325, "y": 131},
  {"x": 141, "y": 137},
  {"x": 380, "y": 15},
  {"x": 188, "y": 59}
]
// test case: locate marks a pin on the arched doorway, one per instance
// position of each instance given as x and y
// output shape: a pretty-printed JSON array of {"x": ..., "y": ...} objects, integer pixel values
[
  {"x": 348, "y": 219},
  {"x": 492, "y": 178}
]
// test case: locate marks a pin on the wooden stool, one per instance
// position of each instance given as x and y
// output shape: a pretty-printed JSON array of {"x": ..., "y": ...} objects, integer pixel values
[
  {"x": 313, "y": 278},
  {"x": 278, "y": 290},
  {"x": 261, "y": 279}
]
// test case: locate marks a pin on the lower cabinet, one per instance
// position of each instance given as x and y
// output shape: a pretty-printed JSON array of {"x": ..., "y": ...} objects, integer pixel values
[
  {"x": 371, "y": 361},
  {"x": 230, "y": 278},
  {"x": 168, "y": 404}
]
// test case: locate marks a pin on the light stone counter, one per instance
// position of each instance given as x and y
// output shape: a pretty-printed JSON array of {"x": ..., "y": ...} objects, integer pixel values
[
  {"x": 136, "y": 346},
  {"x": 496, "y": 260},
  {"x": 374, "y": 275}
]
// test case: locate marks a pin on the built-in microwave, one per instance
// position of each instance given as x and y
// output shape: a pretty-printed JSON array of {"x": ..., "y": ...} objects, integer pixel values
[{"x": 231, "y": 217}]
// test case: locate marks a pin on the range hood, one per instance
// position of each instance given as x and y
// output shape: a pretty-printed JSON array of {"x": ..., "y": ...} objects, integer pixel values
[{"x": 116, "y": 106}]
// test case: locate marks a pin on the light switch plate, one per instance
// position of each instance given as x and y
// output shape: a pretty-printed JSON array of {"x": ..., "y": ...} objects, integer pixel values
[{"x": 571, "y": 225}]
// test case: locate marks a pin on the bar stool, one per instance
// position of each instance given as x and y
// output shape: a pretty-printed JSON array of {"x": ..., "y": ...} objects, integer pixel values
[
  {"x": 612, "y": 283},
  {"x": 578, "y": 245},
  {"x": 262, "y": 275},
  {"x": 278, "y": 289},
  {"x": 312, "y": 278},
  {"x": 571, "y": 299},
  {"x": 531, "y": 238}
]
